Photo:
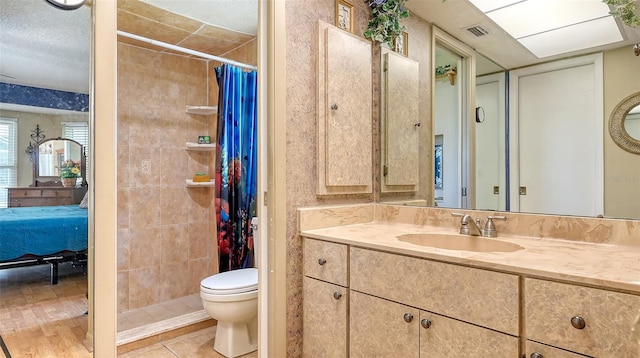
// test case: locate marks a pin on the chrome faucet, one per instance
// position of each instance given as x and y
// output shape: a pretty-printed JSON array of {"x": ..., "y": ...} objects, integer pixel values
[{"x": 471, "y": 227}]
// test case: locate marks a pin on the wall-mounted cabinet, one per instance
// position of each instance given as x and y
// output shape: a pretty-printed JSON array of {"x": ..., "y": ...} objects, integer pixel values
[
  {"x": 344, "y": 103},
  {"x": 399, "y": 122}
]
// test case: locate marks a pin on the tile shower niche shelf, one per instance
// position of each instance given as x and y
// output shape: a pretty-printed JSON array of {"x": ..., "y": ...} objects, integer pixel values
[
  {"x": 200, "y": 147},
  {"x": 193, "y": 184},
  {"x": 202, "y": 110}
]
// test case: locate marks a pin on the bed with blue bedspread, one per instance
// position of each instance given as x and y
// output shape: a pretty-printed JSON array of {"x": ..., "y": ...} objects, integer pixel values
[{"x": 43, "y": 235}]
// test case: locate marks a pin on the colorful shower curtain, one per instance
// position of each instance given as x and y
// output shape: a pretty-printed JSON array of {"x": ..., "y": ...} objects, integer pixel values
[{"x": 236, "y": 165}]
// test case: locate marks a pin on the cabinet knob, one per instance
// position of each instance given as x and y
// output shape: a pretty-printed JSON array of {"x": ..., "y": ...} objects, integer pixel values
[
  {"x": 321, "y": 261},
  {"x": 425, "y": 323},
  {"x": 536, "y": 355},
  {"x": 578, "y": 322},
  {"x": 337, "y": 295},
  {"x": 334, "y": 106},
  {"x": 408, "y": 317}
]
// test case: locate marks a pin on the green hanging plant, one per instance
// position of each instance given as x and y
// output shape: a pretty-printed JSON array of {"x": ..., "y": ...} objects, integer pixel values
[
  {"x": 625, "y": 10},
  {"x": 384, "y": 25}
]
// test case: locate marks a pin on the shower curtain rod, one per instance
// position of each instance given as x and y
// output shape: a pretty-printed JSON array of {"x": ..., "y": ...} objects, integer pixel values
[{"x": 186, "y": 50}]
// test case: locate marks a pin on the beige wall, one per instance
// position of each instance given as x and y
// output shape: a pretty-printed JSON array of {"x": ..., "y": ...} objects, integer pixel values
[
  {"x": 166, "y": 232},
  {"x": 621, "y": 168}
]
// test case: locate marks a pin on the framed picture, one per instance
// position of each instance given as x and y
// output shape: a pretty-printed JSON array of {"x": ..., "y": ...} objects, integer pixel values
[
  {"x": 402, "y": 44},
  {"x": 344, "y": 15}
]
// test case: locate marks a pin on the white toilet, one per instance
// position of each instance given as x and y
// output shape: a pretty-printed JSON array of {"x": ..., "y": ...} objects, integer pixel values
[{"x": 232, "y": 298}]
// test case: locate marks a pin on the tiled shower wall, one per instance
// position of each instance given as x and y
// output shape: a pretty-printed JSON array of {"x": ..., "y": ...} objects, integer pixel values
[{"x": 166, "y": 232}]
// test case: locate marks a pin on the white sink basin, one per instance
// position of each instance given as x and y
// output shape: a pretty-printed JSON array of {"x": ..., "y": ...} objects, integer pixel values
[{"x": 459, "y": 242}]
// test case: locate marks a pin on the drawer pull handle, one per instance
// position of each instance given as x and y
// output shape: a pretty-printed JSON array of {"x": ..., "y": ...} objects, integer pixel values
[
  {"x": 425, "y": 323},
  {"x": 578, "y": 322},
  {"x": 321, "y": 262},
  {"x": 408, "y": 317},
  {"x": 337, "y": 295},
  {"x": 536, "y": 355}
]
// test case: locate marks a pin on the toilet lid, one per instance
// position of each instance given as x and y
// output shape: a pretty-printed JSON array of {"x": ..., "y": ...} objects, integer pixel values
[{"x": 230, "y": 282}]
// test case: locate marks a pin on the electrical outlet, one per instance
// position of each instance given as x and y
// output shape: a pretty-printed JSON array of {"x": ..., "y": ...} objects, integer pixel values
[{"x": 146, "y": 166}]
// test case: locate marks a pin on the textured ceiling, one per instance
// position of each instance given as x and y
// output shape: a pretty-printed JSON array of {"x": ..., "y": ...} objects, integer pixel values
[{"x": 44, "y": 47}]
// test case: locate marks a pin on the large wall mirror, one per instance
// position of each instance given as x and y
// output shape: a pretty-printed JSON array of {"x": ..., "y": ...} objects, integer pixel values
[{"x": 532, "y": 138}]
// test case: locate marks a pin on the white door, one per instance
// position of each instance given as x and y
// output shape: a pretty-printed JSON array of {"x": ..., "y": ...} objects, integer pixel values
[
  {"x": 557, "y": 133},
  {"x": 490, "y": 188}
]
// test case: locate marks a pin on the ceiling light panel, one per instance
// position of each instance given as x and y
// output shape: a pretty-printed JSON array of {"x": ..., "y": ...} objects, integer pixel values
[
  {"x": 490, "y": 5},
  {"x": 585, "y": 35},
  {"x": 536, "y": 16}
]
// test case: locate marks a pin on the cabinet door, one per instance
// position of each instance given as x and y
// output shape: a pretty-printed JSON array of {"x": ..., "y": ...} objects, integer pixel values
[
  {"x": 537, "y": 350},
  {"x": 381, "y": 328},
  {"x": 585, "y": 320},
  {"x": 324, "y": 319},
  {"x": 344, "y": 110},
  {"x": 445, "y": 337}
]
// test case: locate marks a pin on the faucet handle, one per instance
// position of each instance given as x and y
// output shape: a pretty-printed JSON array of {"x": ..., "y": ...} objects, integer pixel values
[{"x": 489, "y": 228}]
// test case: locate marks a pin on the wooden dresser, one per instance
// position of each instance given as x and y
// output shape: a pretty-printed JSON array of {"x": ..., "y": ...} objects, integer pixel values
[{"x": 45, "y": 196}]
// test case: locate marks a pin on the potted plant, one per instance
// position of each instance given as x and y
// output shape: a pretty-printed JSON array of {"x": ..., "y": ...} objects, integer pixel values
[
  {"x": 384, "y": 25},
  {"x": 69, "y": 173},
  {"x": 626, "y": 11}
]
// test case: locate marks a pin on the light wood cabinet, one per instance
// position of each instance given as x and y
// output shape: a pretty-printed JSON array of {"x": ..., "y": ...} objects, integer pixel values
[
  {"x": 485, "y": 298},
  {"x": 443, "y": 337},
  {"x": 344, "y": 112},
  {"x": 584, "y": 320},
  {"x": 537, "y": 350},
  {"x": 382, "y": 328},
  {"x": 325, "y": 319},
  {"x": 402, "y": 306},
  {"x": 325, "y": 299},
  {"x": 45, "y": 196}
]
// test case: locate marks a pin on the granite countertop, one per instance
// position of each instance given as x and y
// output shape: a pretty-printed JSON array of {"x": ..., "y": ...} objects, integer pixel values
[{"x": 609, "y": 266}]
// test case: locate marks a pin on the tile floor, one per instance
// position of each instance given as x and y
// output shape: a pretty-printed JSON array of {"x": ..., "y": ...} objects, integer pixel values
[{"x": 193, "y": 345}]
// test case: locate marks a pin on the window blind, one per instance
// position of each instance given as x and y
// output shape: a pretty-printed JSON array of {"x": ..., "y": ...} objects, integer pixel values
[{"x": 8, "y": 157}]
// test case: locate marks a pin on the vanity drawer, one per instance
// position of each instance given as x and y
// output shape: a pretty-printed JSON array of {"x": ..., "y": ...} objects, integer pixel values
[
  {"x": 545, "y": 351},
  {"x": 57, "y": 193},
  {"x": 24, "y": 193},
  {"x": 326, "y": 261},
  {"x": 486, "y": 298},
  {"x": 608, "y": 317}
]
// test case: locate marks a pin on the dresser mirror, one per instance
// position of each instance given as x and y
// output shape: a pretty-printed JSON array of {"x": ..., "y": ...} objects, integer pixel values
[{"x": 51, "y": 155}]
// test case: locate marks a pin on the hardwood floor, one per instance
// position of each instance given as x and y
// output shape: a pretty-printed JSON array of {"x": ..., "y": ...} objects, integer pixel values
[{"x": 38, "y": 319}]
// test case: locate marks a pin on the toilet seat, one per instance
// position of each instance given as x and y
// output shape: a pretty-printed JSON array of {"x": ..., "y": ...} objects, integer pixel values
[{"x": 231, "y": 282}]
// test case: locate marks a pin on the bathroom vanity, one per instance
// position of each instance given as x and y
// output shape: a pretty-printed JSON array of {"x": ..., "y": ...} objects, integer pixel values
[{"x": 367, "y": 293}]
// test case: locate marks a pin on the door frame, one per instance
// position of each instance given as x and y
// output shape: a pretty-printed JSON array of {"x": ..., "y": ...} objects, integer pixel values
[{"x": 467, "y": 112}]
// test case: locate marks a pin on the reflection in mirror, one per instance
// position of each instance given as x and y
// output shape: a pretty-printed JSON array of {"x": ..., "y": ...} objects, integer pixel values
[
  {"x": 52, "y": 162},
  {"x": 400, "y": 122},
  {"x": 541, "y": 127},
  {"x": 632, "y": 123},
  {"x": 623, "y": 124},
  {"x": 45, "y": 84}
]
